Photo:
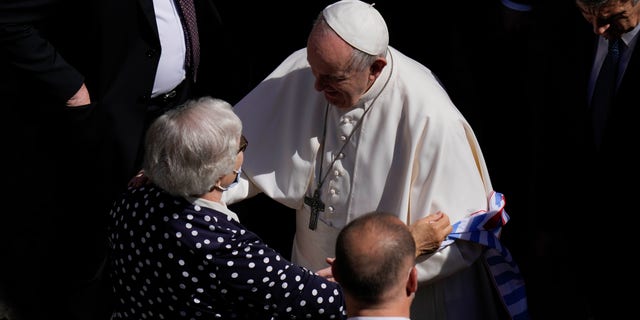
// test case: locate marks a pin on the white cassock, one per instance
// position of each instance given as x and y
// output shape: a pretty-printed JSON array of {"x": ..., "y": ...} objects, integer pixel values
[{"x": 412, "y": 154}]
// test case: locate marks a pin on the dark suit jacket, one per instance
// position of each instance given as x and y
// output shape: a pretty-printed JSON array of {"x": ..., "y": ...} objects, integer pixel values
[
  {"x": 586, "y": 196},
  {"x": 609, "y": 195},
  {"x": 623, "y": 115},
  {"x": 52, "y": 46}
]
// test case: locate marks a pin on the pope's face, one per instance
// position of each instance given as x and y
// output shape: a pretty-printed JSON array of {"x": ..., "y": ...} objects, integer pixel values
[
  {"x": 330, "y": 59},
  {"x": 613, "y": 18}
]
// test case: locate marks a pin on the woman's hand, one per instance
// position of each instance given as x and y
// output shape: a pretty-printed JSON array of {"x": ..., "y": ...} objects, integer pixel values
[
  {"x": 138, "y": 180},
  {"x": 326, "y": 272}
]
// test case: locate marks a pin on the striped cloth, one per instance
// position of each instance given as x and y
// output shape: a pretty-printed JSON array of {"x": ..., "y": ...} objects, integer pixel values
[{"x": 484, "y": 228}]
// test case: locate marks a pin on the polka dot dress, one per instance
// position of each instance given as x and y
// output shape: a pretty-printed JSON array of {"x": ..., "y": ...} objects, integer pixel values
[{"x": 171, "y": 259}]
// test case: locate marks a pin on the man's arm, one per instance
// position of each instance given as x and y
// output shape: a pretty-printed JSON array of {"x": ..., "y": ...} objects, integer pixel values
[{"x": 24, "y": 47}]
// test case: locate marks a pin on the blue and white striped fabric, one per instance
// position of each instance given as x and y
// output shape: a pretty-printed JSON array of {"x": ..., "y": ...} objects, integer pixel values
[{"x": 484, "y": 228}]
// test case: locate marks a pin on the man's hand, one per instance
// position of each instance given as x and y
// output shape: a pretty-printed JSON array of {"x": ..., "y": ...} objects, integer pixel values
[
  {"x": 430, "y": 231},
  {"x": 81, "y": 98}
]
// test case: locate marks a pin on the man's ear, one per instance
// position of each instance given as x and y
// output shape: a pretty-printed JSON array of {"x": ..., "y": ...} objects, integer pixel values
[
  {"x": 377, "y": 66},
  {"x": 333, "y": 271},
  {"x": 412, "y": 281}
]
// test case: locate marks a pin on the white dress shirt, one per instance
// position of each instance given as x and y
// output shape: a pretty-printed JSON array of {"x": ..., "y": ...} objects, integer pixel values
[{"x": 171, "y": 70}]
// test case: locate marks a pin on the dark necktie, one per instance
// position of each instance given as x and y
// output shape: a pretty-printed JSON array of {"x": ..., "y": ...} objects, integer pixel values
[
  {"x": 605, "y": 89},
  {"x": 190, "y": 26}
]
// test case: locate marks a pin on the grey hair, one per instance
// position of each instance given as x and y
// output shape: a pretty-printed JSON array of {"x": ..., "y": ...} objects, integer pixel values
[
  {"x": 189, "y": 148},
  {"x": 359, "y": 59},
  {"x": 599, "y": 3}
]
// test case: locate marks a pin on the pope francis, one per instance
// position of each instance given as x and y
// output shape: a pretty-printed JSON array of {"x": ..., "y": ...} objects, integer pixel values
[{"x": 350, "y": 125}]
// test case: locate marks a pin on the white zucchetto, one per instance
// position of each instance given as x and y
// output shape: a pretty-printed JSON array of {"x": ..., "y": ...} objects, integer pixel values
[{"x": 359, "y": 24}]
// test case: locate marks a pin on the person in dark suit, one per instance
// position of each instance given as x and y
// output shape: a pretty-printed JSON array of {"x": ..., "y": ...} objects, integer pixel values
[
  {"x": 609, "y": 170},
  {"x": 80, "y": 81},
  {"x": 582, "y": 245}
]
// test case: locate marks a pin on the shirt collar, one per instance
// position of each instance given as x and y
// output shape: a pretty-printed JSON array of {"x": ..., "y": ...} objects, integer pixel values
[
  {"x": 215, "y": 206},
  {"x": 627, "y": 37}
]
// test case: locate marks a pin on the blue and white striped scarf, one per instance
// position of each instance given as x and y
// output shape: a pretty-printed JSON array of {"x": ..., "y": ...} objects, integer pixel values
[{"x": 484, "y": 227}]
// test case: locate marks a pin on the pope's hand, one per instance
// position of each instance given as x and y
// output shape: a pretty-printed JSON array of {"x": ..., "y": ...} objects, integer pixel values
[{"x": 430, "y": 231}]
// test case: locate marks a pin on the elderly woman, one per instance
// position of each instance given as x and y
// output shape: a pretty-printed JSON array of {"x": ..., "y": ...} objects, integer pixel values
[{"x": 177, "y": 251}]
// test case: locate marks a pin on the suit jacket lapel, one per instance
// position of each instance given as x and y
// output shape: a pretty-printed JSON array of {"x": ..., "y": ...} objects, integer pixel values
[
  {"x": 146, "y": 7},
  {"x": 630, "y": 79}
]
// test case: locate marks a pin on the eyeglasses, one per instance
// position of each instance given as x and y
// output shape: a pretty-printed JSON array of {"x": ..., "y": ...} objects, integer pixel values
[{"x": 243, "y": 144}]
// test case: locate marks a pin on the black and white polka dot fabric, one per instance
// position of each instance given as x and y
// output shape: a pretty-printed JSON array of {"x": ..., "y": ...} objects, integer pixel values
[{"x": 171, "y": 259}]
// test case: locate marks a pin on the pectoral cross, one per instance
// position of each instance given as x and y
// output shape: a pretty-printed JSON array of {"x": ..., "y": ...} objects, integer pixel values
[{"x": 316, "y": 206}]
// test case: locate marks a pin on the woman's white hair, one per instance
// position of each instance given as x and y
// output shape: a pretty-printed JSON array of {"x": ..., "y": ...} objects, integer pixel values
[{"x": 189, "y": 148}]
